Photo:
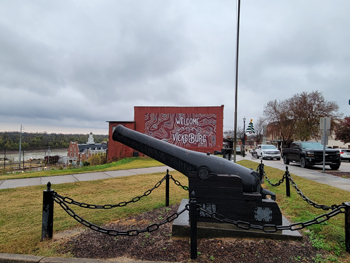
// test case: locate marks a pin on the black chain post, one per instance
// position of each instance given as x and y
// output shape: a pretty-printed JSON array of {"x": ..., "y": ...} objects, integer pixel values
[
  {"x": 347, "y": 226},
  {"x": 193, "y": 221},
  {"x": 48, "y": 205},
  {"x": 261, "y": 172},
  {"x": 287, "y": 182},
  {"x": 167, "y": 188}
]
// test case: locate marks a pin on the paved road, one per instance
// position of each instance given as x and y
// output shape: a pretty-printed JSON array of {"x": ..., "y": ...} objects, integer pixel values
[{"x": 314, "y": 173}]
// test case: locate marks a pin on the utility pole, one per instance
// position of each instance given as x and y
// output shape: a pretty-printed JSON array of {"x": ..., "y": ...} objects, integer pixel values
[
  {"x": 243, "y": 148},
  {"x": 20, "y": 145},
  {"x": 4, "y": 156}
]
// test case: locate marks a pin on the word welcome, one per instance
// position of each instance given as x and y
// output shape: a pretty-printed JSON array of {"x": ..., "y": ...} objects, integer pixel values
[{"x": 187, "y": 121}]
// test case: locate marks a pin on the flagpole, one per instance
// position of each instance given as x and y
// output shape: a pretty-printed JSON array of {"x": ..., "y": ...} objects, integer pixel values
[{"x": 236, "y": 86}]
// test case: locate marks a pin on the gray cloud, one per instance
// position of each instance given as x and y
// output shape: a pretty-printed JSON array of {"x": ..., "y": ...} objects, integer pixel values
[{"x": 79, "y": 64}]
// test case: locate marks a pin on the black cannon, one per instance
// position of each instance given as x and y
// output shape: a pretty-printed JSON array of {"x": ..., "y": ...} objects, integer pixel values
[{"x": 220, "y": 185}]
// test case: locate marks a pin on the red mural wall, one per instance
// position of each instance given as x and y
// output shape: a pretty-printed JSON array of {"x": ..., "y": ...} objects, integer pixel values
[{"x": 194, "y": 128}]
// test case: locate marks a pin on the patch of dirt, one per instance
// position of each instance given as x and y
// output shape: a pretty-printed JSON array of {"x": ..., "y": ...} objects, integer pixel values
[
  {"x": 340, "y": 174},
  {"x": 160, "y": 246}
]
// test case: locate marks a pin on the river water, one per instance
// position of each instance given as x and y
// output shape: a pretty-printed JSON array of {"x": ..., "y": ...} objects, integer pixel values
[{"x": 32, "y": 154}]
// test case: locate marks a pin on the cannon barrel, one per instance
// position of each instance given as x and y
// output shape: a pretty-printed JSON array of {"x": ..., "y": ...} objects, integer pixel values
[{"x": 186, "y": 161}]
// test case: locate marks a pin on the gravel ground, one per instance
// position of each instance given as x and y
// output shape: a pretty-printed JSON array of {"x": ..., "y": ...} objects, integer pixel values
[{"x": 160, "y": 246}]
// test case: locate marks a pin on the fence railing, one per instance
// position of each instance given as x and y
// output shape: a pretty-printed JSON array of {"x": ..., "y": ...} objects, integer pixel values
[{"x": 50, "y": 196}]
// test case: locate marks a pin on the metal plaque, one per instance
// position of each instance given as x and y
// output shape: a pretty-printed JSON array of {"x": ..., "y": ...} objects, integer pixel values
[{"x": 263, "y": 214}]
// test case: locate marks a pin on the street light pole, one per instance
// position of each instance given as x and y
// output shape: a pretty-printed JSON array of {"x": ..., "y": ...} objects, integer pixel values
[
  {"x": 243, "y": 149},
  {"x": 237, "y": 49},
  {"x": 4, "y": 157}
]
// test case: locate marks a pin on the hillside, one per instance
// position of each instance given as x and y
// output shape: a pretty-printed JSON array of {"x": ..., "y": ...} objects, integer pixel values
[{"x": 30, "y": 141}]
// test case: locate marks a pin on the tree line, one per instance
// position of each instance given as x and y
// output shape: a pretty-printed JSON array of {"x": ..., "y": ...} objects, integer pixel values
[
  {"x": 298, "y": 118},
  {"x": 34, "y": 141}
]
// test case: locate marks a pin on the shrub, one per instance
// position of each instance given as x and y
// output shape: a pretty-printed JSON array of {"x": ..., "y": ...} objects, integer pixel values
[{"x": 97, "y": 159}]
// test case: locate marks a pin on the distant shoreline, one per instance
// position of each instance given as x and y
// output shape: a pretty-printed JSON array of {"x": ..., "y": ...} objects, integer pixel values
[{"x": 35, "y": 150}]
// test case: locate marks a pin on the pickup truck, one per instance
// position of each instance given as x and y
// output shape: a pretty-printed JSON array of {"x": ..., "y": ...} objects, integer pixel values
[{"x": 310, "y": 153}]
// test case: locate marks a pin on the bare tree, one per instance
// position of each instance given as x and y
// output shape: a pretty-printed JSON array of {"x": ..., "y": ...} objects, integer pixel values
[
  {"x": 230, "y": 133},
  {"x": 259, "y": 129},
  {"x": 342, "y": 131},
  {"x": 279, "y": 119},
  {"x": 299, "y": 117},
  {"x": 307, "y": 109}
]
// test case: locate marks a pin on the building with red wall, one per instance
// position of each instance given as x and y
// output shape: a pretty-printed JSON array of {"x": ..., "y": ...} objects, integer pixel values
[
  {"x": 78, "y": 153},
  {"x": 194, "y": 128},
  {"x": 117, "y": 150}
]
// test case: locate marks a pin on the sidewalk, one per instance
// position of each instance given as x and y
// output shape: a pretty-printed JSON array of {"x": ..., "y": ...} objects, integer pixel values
[
  {"x": 71, "y": 178},
  {"x": 314, "y": 173}
]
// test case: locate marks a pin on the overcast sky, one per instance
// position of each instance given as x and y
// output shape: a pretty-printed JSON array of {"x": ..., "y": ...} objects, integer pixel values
[{"x": 70, "y": 66}]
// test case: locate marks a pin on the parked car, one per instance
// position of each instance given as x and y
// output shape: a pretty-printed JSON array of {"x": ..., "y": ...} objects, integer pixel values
[
  {"x": 345, "y": 154},
  {"x": 311, "y": 153},
  {"x": 267, "y": 151}
]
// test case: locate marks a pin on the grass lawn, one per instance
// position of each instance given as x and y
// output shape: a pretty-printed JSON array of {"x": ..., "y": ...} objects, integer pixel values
[{"x": 21, "y": 209}]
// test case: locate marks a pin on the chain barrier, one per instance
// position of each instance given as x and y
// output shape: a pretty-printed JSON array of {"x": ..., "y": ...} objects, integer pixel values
[
  {"x": 268, "y": 180},
  {"x": 178, "y": 183},
  {"x": 305, "y": 198},
  {"x": 113, "y": 232},
  {"x": 272, "y": 228},
  {"x": 279, "y": 182},
  {"x": 69, "y": 200}
]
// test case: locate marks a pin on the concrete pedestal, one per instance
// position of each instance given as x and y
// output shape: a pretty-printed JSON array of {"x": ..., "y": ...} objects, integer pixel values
[{"x": 181, "y": 228}]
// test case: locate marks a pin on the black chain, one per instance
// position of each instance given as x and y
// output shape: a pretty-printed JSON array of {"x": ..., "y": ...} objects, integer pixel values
[
  {"x": 267, "y": 179},
  {"x": 305, "y": 198},
  {"x": 258, "y": 168},
  {"x": 277, "y": 184},
  {"x": 178, "y": 183},
  {"x": 113, "y": 232},
  {"x": 272, "y": 228},
  {"x": 69, "y": 200}
]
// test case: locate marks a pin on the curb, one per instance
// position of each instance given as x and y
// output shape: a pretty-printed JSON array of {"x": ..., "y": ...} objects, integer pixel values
[{"x": 19, "y": 258}]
